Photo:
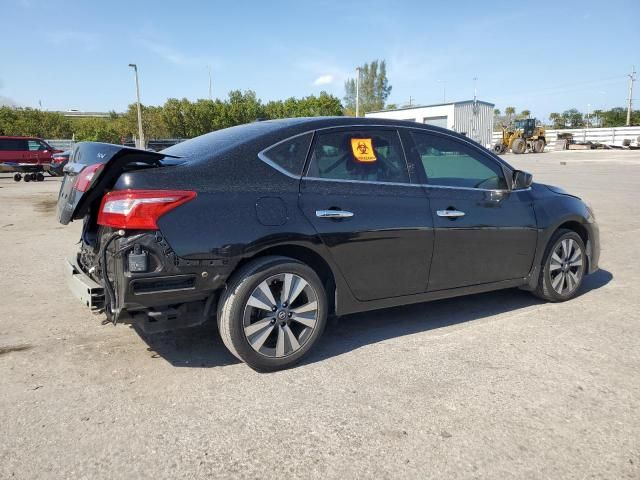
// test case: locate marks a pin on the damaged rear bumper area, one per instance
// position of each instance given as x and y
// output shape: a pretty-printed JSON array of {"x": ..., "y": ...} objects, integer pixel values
[{"x": 152, "y": 287}]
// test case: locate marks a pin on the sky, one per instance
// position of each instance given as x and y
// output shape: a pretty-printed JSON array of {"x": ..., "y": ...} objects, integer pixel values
[{"x": 541, "y": 56}]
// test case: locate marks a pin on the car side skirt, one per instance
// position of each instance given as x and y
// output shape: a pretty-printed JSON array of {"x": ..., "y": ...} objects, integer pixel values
[{"x": 345, "y": 306}]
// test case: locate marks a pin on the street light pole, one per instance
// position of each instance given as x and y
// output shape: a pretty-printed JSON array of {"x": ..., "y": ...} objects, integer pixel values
[
  {"x": 140, "y": 132},
  {"x": 358, "y": 92}
]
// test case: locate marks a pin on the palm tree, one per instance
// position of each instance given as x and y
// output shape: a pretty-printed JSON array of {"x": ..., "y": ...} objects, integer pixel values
[
  {"x": 509, "y": 112},
  {"x": 496, "y": 112},
  {"x": 525, "y": 113}
]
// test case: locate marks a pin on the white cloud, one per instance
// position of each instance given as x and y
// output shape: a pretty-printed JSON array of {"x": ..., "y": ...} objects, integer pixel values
[
  {"x": 177, "y": 57},
  {"x": 324, "y": 80},
  {"x": 88, "y": 41}
]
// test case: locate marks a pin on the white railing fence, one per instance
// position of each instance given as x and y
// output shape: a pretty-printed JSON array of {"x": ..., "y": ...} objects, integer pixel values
[{"x": 609, "y": 136}]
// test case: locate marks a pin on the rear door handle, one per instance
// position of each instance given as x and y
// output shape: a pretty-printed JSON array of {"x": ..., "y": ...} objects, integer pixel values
[
  {"x": 450, "y": 213},
  {"x": 333, "y": 214}
]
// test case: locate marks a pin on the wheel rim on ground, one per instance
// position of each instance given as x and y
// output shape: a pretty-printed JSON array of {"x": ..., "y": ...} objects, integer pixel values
[
  {"x": 566, "y": 266},
  {"x": 280, "y": 315}
]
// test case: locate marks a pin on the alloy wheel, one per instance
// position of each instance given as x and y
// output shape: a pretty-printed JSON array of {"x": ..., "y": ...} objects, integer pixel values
[
  {"x": 280, "y": 315},
  {"x": 566, "y": 266}
]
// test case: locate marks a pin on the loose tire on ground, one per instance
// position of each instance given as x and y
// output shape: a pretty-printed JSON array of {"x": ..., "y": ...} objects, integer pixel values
[
  {"x": 550, "y": 286},
  {"x": 242, "y": 332},
  {"x": 518, "y": 146}
]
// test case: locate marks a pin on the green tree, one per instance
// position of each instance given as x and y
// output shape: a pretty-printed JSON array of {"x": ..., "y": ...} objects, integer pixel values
[
  {"x": 525, "y": 114},
  {"x": 496, "y": 112},
  {"x": 573, "y": 118},
  {"x": 374, "y": 88},
  {"x": 557, "y": 120}
]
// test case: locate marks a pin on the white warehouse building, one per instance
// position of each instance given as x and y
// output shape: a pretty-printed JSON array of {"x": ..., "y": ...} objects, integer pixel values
[{"x": 472, "y": 118}]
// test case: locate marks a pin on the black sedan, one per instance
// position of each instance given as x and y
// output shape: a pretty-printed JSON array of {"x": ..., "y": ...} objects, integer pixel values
[{"x": 272, "y": 226}]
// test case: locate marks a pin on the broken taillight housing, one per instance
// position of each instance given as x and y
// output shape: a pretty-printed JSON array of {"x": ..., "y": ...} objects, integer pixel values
[
  {"x": 86, "y": 176},
  {"x": 139, "y": 209}
]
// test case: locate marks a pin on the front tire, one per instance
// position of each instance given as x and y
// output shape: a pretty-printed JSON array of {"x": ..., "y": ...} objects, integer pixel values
[
  {"x": 272, "y": 313},
  {"x": 563, "y": 268}
]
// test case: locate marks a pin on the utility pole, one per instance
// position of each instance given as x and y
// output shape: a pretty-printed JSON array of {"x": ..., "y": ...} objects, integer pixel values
[
  {"x": 141, "y": 143},
  {"x": 358, "y": 92},
  {"x": 475, "y": 89},
  {"x": 210, "y": 98},
  {"x": 632, "y": 78}
]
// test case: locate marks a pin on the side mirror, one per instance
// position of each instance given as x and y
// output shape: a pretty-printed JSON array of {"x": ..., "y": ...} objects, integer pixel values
[{"x": 521, "y": 180}]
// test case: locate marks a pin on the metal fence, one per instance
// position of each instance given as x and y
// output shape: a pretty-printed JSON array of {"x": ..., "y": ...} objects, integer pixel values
[{"x": 609, "y": 136}]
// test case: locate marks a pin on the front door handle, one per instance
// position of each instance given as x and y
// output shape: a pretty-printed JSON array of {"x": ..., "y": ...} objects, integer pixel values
[
  {"x": 333, "y": 214},
  {"x": 450, "y": 213}
]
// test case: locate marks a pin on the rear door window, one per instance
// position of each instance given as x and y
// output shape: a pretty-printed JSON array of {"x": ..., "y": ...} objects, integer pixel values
[
  {"x": 290, "y": 154},
  {"x": 369, "y": 155},
  {"x": 13, "y": 145},
  {"x": 451, "y": 163}
]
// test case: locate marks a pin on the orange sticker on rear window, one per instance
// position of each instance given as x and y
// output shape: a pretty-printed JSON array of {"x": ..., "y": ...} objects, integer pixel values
[{"x": 363, "y": 149}]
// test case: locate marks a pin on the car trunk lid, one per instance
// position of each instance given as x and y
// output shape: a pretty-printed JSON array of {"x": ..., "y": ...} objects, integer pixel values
[{"x": 92, "y": 170}]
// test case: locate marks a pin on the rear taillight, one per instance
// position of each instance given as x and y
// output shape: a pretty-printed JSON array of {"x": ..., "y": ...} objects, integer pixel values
[
  {"x": 86, "y": 176},
  {"x": 139, "y": 209}
]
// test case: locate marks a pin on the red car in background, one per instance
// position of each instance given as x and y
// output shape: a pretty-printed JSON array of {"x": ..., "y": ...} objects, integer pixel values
[{"x": 27, "y": 155}]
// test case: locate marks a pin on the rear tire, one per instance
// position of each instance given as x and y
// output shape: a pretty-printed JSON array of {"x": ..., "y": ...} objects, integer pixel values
[
  {"x": 27, "y": 177},
  {"x": 518, "y": 146},
  {"x": 40, "y": 177},
  {"x": 17, "y": 177},
  {"x": 272, "y": 313},
  {"x": 563, "y": 267},
  {"x": 538, "y": 146}
]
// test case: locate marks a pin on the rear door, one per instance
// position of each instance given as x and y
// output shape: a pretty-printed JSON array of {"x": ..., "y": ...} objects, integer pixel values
[
  {"x": 484, "y": 232},
  {"x": 376, "y": 223},
  {"x": 13, "y": 150}
]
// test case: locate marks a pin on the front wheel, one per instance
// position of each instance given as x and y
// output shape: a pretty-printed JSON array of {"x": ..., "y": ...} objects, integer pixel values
[
  {"x": 564, "y": 267},
  {"x": 272, "y": 313}
]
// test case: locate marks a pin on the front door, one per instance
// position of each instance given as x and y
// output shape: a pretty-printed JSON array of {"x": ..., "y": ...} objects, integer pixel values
[
  {"x": 484, "y": 232},
  {"x": 376, "y": 224}
]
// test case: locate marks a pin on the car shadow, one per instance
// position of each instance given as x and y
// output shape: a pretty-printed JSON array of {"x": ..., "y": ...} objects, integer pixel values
[{"x": 202, "y": 347}]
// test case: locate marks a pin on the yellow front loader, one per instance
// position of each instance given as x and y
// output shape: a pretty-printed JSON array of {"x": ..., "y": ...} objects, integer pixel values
[{"x": 522, "y": 136}]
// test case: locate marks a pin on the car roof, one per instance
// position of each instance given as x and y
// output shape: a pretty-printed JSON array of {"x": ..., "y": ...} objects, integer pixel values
[
  {"x": 18, "y": 137},
  {"x": 274, "y": 130}
]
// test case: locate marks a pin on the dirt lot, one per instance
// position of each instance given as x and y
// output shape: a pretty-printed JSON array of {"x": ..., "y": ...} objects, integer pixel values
[{"x": 497, "y": 385}]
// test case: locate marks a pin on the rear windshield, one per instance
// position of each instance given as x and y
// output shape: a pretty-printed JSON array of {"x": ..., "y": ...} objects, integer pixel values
[{"x": 220, "y": 140}]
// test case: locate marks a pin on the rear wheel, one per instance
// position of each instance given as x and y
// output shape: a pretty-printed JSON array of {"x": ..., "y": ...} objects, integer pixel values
[
  {"x": 518, "y": 146},
  {"x": 538, "y": 146},
  {"x": 564, "y": 267},
  {"x": 40, "y": 177},
  {"x": 27, "y": 177},
  {"x": 272, "y": 313}
]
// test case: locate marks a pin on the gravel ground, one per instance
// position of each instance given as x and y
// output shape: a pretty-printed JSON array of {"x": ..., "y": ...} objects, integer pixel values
[{"x": 496, "y": 385}]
